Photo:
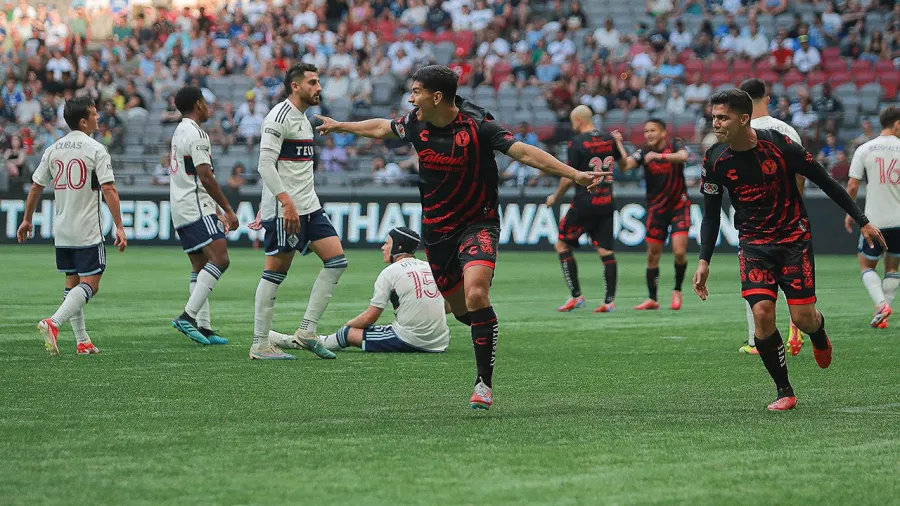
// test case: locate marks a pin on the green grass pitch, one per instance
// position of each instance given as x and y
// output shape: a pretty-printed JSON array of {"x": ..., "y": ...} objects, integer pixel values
[{"x": 627, "y": 408}]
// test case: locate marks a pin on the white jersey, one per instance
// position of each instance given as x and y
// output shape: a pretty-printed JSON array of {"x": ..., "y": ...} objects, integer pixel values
[
  {"x": 421, "y": 320},
  {"x": 190, "y": 200},
  {"x": 76, "y": 166},
  {"x": 770, "y": 123},
  {"x": 879, "y": 161},
  {"x": 288, "y": 136}
]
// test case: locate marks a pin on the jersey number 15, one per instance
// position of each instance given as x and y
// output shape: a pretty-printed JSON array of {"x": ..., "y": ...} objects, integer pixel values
[{"x": 425, "y": 284}]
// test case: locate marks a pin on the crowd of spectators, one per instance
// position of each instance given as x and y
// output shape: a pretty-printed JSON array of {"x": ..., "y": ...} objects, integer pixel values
[{"x": 132, "y": 60}]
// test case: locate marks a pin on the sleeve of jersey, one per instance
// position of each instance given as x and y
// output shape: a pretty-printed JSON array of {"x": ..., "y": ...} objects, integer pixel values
[
  {"x": 269, "y": 149},
  {"x": 42, "y": 174},
  {"x": 572, "y": 155},
  {"x": 497, "y": 137},
  {"x": 712, "y": 212},
  {"x": 857, "y": 167},
  {"x": 808, "y": 166},
  {"x": 794, "y": 136},
  {"x": 103, "y": 167},
  {"x": 400, "y": 126},
  {"x": 200, "y": 151},
  {"x": 382, "y": 295},
  {"x": 638, "y": 156}
]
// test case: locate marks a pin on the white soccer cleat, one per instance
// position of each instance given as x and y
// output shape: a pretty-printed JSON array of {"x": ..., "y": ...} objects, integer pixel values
[
  {"x": 51, "y": 335},
  {"x": 269, "y": 353}
]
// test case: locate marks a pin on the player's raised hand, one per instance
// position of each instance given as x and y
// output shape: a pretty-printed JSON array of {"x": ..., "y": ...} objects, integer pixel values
[
  {"x": 25, "y": 231},
  {"x": 700, "y": 278},
  {"x": 231, "y": 221},
  {"x": 617, "y": 135},
  {"x": 873, "y": 235},
  {"x": 121, "y": 240},
  {"x": 328, "y": 125}
]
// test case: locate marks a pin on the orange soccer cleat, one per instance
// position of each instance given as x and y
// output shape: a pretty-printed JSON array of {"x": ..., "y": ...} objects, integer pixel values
[
  {"x": 783, "y": 404},
  {"x": 823, "y": 357},
  {"x": 648, "y": 304},
  {"x": 676, "y": 300},
  {"x": 606, "y": 308},
  {"x": 51, "y": 335},
  {"x": 572, "y": 304}
]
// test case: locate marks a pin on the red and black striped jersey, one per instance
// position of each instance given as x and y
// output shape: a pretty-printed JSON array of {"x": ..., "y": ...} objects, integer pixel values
[
  {"x": 594, "y": 151},
  {"x": 458, "y": 175},
  {"x": 666, "y": 189}
]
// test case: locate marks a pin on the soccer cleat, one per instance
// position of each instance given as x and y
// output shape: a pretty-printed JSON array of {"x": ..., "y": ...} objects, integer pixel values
[
  {"x": 51, "y": 336},
  {"x": 86, "y": 348},
  {"x": 676, "y": 300},
  {"x": 572, "y": 303},
  {"x": 482, "y": 398},
  {"x": 606, "y": 308},
  {"x": 311, "y": 343},
  {"x": 269, "y": 353},
  {"x": 881, "y": 315},
  {"x": 883, "y": 324},
  {"x": 748, "y": 349},
  {"x": 213, "y": 337},
  {"x": 823, "y": 357},
  {"x": 783, "y": 404},
  {"x": 188, "y": 326},
  {"x": 795, "y": 341},
  {"x": 648, "y": 304}
]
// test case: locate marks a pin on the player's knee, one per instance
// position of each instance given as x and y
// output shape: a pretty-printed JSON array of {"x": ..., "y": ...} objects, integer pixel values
[
  {"x": 221, "y": 261},
  {"x": 806, "y": 319},
  {"x": 681, "y": 258},
  {"x": 561, "y": 247},
  {"x": 336, "y": 262},
  {"x": 477, "y": 297},
  {"x": 763, "y": 310}
]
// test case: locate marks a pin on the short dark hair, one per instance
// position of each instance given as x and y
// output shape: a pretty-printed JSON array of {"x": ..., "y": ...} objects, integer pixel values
[
  {"x": 754, "y": 87},
  {"x": 889, "y": 116},
  {"x": 297, "y": 70},
  {"x": 737, "y": 100},
  {"x": 76, "y": 110},
  {"x": 436, "y": 78},
  {"x": 187, "y": 98},
  {"x": 662, "y": 124}
]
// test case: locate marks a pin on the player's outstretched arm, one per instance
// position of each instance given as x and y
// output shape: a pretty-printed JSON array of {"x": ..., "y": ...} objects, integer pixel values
[
  {"x": 376, "y": 128},
  {"x": 111, "y": 197},
  {"x": 536, "y": 157},
  {"x": 626, "y": 162},
  {"x": 26, "y": 228},
  {"x": 366, "y": 319}
]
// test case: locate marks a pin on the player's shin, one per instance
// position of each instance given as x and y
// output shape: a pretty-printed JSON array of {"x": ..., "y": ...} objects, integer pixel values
[
  {"x": 484, "y": 340},
  {"x": 680, "y": 270},
  {"x": 653, "y": 282},
  {"x": 872, "y": 281},
  {"x": 819, "y": 338},
  {"x": 74, "y": 302},
  {"x": 570, "y": 273},
  {"x": 203, "y": 316},
  {"x": 610, "y": 276},
  {"x": 751, "y": 325},
  {"x": 206, "y": 282},
  {"x": 265, "y": 307},
  {"x": 322, "y": 291},
  {"x": 772, "y": 352},
  {"x": 77, "y": 321},
  {"x": 889, "y": 285}
]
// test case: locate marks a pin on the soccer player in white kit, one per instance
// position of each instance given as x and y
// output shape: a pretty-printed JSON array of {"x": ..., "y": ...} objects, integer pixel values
[
  {"x": 407, "y": 284},
  {"x": 760, "y": 120},
  {"x": 292, "y": 217},
  {"x": 195, "y": 198},
  {"x": 879, "y": 162},
  {"x": 79, "y": 169}
]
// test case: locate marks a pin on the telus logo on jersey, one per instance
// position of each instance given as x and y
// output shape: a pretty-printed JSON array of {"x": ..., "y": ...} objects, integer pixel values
[
  {"x": 297, "y": 150},
  {"x": 432, "y": 160}
]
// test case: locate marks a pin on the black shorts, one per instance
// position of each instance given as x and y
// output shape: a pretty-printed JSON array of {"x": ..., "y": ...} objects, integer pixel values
[
  {"x": 195, "y": 236},
  {"x": 313, "y": 226},
  {"x": 578, "y": 221},
  {"x": 665, "y": 222},
  {"x": 84, "y": 261},
  {"x": 891, "y": 237},
  {"x": 475, "y": 244},
  {"x": 791, "y": 267}
]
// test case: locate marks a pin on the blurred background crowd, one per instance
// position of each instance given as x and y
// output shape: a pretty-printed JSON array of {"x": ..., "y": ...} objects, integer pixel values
[{"x": 833, "y": 65}]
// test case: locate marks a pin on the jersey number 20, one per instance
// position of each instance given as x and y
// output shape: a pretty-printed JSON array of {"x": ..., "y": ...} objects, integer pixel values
[
  {"x": 70, "y": 183},
  {"x": 424, "y": 280}
]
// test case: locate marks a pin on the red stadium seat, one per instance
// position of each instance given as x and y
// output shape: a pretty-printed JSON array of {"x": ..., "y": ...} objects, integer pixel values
[
  {"x": 545, "y": 132},
  {"x": 743, "y": 69},
  {"x": 693, "y": 66},
  {"x": 763, "y": 65},
  {"x": 838, "y": 78},
  {"x": 860, "y": 66},
  {"x": 718, "y": 66},
  {"x": 427, "y": 36},
  {"x": 769, "y": 76},
  {"x": 685, "y": 131},
  {"x": 861, "y": 77},
  {"x": 685, "y": 56},
  {"x": 720, "y": 78},
  {"x": 816, "y": 77},
  {"x": 832, "y": 61},
  {"x": 636, "y": 135},
  {"x": 791, "y": 78},
  {"x": 884, "y": 67},
  {"x": 889, "y": 83}
]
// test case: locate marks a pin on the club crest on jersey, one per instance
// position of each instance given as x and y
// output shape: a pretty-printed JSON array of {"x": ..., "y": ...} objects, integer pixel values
[
  {"x": 769, "y": 167},
  {"x": 401, "y": 130},
  {"x": 710, "y": 188},
  {"x": 462, "y": 139}
]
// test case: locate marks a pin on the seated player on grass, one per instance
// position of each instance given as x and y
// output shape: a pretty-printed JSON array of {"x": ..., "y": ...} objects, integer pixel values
[{"x": 408, "y": 285}]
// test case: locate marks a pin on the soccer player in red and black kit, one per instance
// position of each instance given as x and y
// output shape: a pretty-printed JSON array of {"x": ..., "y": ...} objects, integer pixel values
[
  {"x": 759, "y": 169},
  {"x": 668, "y": 205},
  {"x": 459, "y": 187},
  {"x": 591, "y": 210}
]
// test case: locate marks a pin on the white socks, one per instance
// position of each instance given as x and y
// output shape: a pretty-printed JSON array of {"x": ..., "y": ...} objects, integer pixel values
[
  {"x": 77, "y": 321},
  {"x": 322, "y": 291},
  {"x": 889, "y": 286},
  {"x": 282, "y": 340},
  {"x": 203, "y": 316},
  {"x": 265, "y": 307},
  {"x": 332, "y": 343},
  {"x": 206, "y": 281},
  {"x": 73, "y": 303},
  {"x": 751, "y": 324},
  {"x": 872, "y": 282}
]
